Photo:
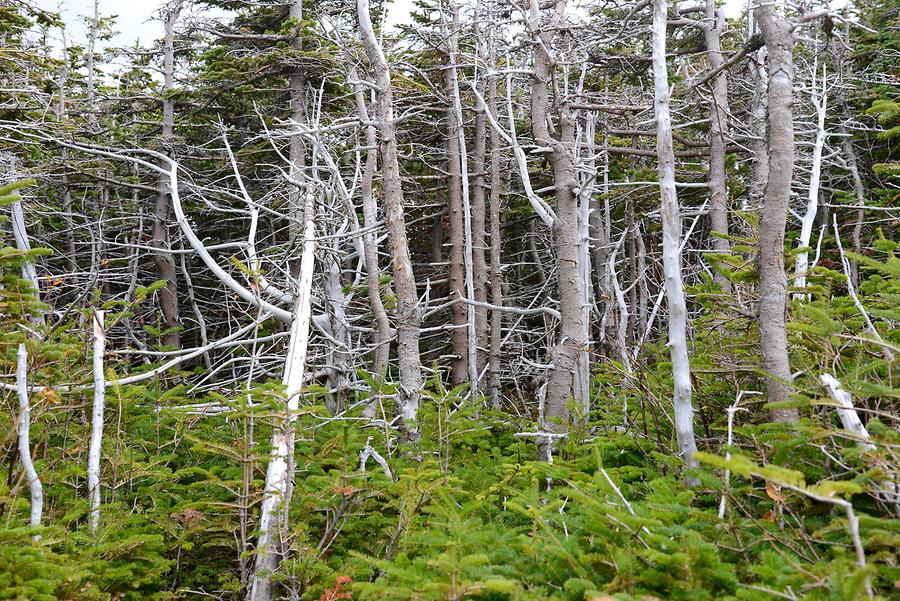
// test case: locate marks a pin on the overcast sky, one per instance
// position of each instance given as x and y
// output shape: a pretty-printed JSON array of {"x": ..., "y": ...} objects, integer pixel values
[{"x": 135, "y": 18}]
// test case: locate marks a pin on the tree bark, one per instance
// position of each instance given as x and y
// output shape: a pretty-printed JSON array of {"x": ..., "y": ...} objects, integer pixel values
[
  {"x": 773, "y": 289},
  {"x": 671, "y": 222}
]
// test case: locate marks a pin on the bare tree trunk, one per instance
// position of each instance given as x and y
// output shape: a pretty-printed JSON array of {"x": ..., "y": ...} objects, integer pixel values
[
  {"x": 459, "y": 338},
  {"x": 270, "y": 548},
  {"x": 671, "y": 222},
  {"x": 718, "y": 127},
  {"x": 23, "y": 244},
  {"x": 408, "y": 315},
  {"x": 370, "y": 240},
  {"x": 849, "y": 151},
  {"x": 496, "y": 241},
  {"x": 165, "y": 261},
  {"x": 297, "y": 145},
  {"x": 560, "y": 147},
  {"x": 773, "y": 290},
  {"x": 93, "y": 467},
  {"x": 463, "y": 155},
  {"x": 758, "y": 109},
  {"x": 479, "y": 262},
  {"x": 24, "y": 432},
  {"x": 801, "y": 267}
]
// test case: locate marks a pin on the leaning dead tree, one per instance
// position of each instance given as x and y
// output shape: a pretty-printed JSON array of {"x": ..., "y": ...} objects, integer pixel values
[{"x": 408, "y": 316}]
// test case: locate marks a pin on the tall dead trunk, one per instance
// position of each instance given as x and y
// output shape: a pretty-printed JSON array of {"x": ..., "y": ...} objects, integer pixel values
[
  {"x": 560, "y": 149},
  {"x": 759, "y": 144},
  {"x": 718, "y": 128},
  {"x": 671, "y": 225},
  {"x": 408, "y": 314},
  {"x": 479, "y": 262},
  {"x": 93, "y": 467},
  {"x": 459, "y": 338},
  {"x": 270, "y": 548},
  {"x": 496, "y": 275},
  {"x": 297, "y": 145},
  {"x": 24, "y": 433},
  {"x": 163, "y": 258},
  {"x": 370, "y": 240},
  {"x": 773, "y": 288},
  {"x": 819, "y": 102}
]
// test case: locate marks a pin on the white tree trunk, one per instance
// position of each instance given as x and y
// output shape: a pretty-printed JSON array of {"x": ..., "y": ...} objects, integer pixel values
[
  {"x": 269, "y": 549},
  {"x": 93, "y": 468},
  {"x": 671, "y": 222},
  {"x": 846, "y": 412},
  {"x": 24, "y": 430},
  {"x": 801, "y": 267}
]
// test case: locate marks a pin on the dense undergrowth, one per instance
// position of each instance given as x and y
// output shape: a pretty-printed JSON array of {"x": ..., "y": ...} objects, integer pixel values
[{"x": 467, "y": 511}]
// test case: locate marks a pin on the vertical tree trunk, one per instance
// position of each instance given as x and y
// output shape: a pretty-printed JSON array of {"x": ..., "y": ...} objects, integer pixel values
[
  {"x": 561, "y": 147},
  {"x": 758, "y": 108},
  {"x": 479, "y": 262},
  {"x": 165, "y": 261},
  {"x": 93, "y": 467},
  {"x": 297, "y": 145},
  {"x": 408, "y": 316},
  {"x": 671, "y": 222},
  {"x": 801, "y": 266},
  {"x": 718, "y": 127},
  {"x": 276, "y": 496},
  {"x": 459, "y": 338},
  {"x": 773, "y": 291},
  {"x": 463, "y": 156},
  {"x": 24, "y": 432},
  {"x": 496, "y": 241}
]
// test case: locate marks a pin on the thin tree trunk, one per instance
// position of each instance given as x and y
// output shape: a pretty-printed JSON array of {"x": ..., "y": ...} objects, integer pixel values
[
  {"x": 496, "y": 241},
  {"x": 801, "y": 266},
  {"x": 671, "y": 222},
  {"x": 93, "y": 468},
  {"x": 24, "y": 430},
  {"x": 773, "y": 289},
  {"x": 408, "y": 315},
  {"x": 479, "y": 263},
  {"x": 468, "y": 270},
  {"x": 165, "y": 261},
  {"x": 297, "y": 145},
  {"x": 718, "y": 127},
  {"x": 459, "y": 339},
  {"x": 758, "y": 110}
]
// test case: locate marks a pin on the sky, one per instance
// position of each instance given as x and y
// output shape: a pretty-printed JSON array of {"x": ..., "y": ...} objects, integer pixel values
[{"x": 135, "y": 20}]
